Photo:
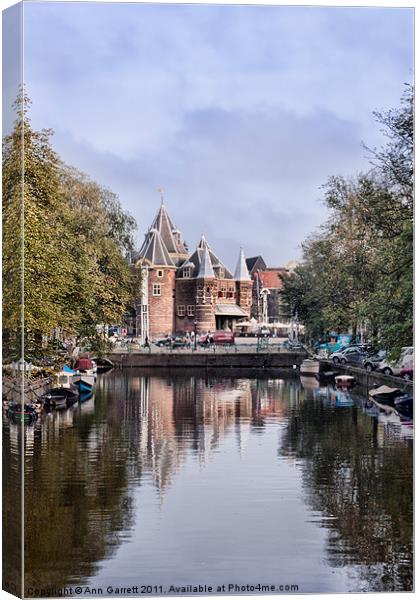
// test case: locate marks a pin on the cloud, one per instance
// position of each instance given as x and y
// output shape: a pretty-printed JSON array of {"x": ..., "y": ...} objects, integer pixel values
[{"x": 240, "y": 112}]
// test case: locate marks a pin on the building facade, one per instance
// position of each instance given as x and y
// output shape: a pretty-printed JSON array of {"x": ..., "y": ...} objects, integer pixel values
[
  {"x": 186, "y": 292},
  {"x": 267, "y": 302}
]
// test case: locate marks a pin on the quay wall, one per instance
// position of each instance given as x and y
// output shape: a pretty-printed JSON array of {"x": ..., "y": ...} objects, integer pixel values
[
  {"x": 366, "y": 379},
  {"x": 260, "y": 360}
]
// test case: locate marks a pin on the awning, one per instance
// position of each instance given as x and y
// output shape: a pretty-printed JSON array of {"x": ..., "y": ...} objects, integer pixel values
[{"x": 229, "y": 310}]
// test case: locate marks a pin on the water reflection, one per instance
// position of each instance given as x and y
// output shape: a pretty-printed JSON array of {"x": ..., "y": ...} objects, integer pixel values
[
  {"x": 358, "y": 473},
  {"x": 184, "y": 478}
]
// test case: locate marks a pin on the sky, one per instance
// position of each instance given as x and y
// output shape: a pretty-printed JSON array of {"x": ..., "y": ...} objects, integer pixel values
[{"x": 241, "y": 113}]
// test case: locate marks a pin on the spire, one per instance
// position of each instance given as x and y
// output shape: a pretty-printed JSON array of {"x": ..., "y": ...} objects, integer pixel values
[
  {"x": 203, "y": 242},
  {"x": 206, "y": 268},
  {"x": 241, "y": 271},
  {"x": 163, "y": 223}
]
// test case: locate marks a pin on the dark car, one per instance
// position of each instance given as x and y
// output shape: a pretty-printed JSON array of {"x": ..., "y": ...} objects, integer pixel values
[
  {"x": 172, "y": 342},
  {"x": 372, "y": 362}
]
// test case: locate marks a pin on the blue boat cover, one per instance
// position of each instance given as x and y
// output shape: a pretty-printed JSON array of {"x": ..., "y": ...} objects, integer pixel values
[{"x": 67, "y": 369}]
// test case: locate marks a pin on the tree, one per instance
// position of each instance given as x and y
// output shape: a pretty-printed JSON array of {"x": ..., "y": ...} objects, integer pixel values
[
  {"x": 357, "y": 270},
  {"x": 31, "y": 200},
  {"x": 65, "y": 237}
]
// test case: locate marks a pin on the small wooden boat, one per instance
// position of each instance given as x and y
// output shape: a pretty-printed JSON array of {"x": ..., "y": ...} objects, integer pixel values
[
  {"x": 84, "y": 375},
  {"x": 64, "y": 393},
  {"x": 309, "y": 366},
  {"x": 103, "y": 364},
  {"x": 344, "y": 381},
  {"x": 404, "y": 406},
  {"x": 59, "y": 397},
  {"x": 22, "y": 413},
  {"x": 385, "y": 394}
]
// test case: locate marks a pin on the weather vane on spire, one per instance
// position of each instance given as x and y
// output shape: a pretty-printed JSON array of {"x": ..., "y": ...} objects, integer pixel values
[{"x": 161, "y": 192}]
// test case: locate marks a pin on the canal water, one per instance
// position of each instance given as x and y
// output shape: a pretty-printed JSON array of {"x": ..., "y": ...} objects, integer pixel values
[{"x": 193, "y": 478}]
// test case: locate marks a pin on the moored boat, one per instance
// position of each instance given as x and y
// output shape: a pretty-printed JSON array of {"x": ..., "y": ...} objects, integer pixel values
[
  {"x": 22, "y": 413},
  {"x": 103, "y": 364},
  {"x": 85, "y": 374},
  {"x": 385, "y": 394},
  {"x": 404, "y": 406},
  {"x": 59, "y": 397},
  {"x": 64, "y": 393},
  {"x": 344, "y": 381},
  {"x": 309, "y": 366}
]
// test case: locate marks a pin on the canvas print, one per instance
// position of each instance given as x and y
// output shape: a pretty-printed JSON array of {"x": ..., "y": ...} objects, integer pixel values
[{"x": 207, "y": 299}]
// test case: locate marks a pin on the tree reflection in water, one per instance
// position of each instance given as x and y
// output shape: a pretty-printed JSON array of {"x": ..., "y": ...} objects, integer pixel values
[{"x": 361, "y": 484}]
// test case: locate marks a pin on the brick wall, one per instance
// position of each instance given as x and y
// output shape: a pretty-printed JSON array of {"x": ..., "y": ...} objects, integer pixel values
[
  {"x": 203, "y": 295},
  {"x": 185, "y": 296},
  {"x": 161, "y": 308},
  {"x": 244, "y": 295},
  {"x": 206, "y": 294}
]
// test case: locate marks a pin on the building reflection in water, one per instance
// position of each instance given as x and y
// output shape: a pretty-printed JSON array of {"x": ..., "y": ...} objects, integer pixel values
[{"x": 84, "y": 465}]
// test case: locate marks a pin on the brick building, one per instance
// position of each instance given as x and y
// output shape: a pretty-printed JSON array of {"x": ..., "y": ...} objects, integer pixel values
[
  {"x": 183, "y": 292},
  {"x": 268, "y": 280}
]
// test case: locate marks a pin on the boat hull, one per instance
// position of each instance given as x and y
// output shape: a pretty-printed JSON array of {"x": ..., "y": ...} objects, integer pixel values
[
  {"x": 404, "y": 406},
  {"x": 22, "y": 414},
  {"x": 84, "y": 381},
  {"x": 385, "y": 395},
  {"x": 309, "y": 367},
  {"x": 59, "y": 398}
]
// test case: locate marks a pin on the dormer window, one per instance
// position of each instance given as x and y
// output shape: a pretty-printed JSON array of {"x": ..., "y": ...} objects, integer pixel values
[{"x": 186, "y": 272}]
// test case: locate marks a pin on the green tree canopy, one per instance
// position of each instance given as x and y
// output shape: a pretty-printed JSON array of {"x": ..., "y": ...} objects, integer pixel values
[
  {"x": 358, "y": 268},
  {"x": 66, "y": 241}
]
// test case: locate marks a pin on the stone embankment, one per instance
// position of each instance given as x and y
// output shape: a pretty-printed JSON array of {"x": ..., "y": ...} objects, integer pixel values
[
  {"x": 14, "y": 387},
  {"x": 367, "y": 379},
  {"x": 207, "y": 359}
]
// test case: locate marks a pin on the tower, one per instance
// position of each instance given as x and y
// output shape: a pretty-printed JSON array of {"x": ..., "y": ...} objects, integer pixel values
[
  {"x": 243, "y": 284},
  {"x": 157, "y": 301},
  {"x": 205, "y": 292}
]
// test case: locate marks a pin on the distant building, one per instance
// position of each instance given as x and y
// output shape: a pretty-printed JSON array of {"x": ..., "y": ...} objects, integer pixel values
[
  {"x": 185, "y": 292},
  {"x": 267, "y": 281}
]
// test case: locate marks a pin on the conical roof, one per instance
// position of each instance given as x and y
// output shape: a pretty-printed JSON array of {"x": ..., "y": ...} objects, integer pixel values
[
  {"x": 197, "y": 257},
  {"x": 154, "y": 251},
  {"x": 241, "y": 271},
  {"x": 206, "y": 268},
  {"x": 169, "y": 233}
]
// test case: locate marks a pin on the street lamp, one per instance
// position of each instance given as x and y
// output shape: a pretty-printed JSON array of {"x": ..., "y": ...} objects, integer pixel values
[{"x": 195, "y": 334}]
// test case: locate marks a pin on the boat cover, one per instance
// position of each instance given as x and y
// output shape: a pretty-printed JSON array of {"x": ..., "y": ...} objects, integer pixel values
[
  {"x": 84, "y": 364},
  {"x": 383, "y": 389}
]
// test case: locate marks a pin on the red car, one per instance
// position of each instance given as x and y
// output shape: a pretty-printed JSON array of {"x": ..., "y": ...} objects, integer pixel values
[
  {"x": 223, "y": 337},
  {"x": 407, "y": 373}
]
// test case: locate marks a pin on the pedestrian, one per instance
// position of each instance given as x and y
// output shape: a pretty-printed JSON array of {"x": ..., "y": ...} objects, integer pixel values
[{"x": 146, "y": 342}]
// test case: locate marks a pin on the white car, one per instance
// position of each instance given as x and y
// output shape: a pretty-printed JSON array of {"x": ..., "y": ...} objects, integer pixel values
[{"x": 393, "y": 368}]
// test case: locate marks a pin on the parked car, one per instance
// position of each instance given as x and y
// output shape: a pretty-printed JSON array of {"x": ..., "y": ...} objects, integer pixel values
[
  {"x": 407, "y": 373},
  {"x": 172, "y": 342},
  {"x": 394, "y": 367},
  {"x": 352, "y": 354},
  {"x": 223, "y": 337},
  {"x": 372, "y": 362}
]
